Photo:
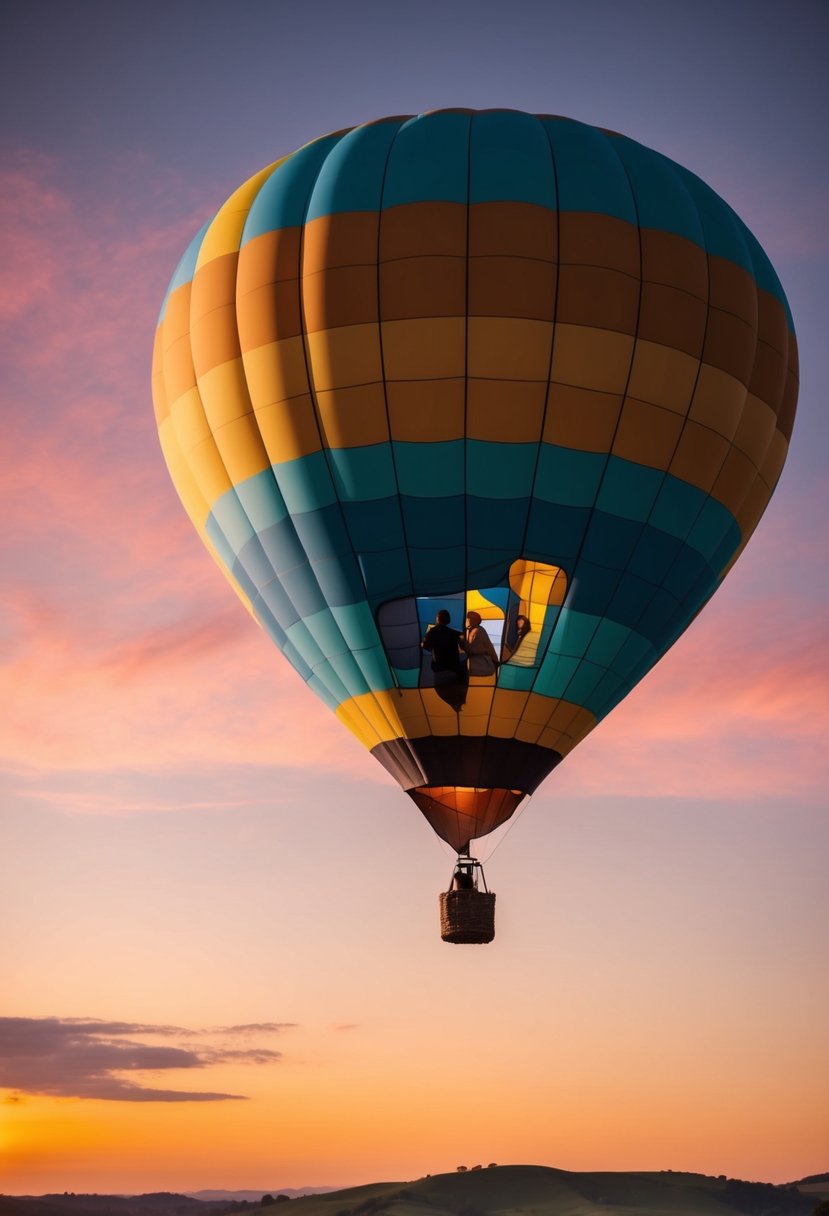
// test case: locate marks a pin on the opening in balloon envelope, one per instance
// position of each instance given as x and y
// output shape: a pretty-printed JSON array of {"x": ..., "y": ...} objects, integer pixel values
[{"x": 459, "y": 814}]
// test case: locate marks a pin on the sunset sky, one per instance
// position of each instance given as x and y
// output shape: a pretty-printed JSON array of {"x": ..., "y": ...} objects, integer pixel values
[{"x": 220, "y": 961}]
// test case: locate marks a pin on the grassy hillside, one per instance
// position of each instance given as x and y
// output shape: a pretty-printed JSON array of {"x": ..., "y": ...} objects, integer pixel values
[
  {"x": 536, "y": 1191},
  {"x": 510, "y": 1190}
]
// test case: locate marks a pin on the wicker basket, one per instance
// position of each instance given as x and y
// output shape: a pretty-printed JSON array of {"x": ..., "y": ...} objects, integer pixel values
[{"x": 467, "y": 917}]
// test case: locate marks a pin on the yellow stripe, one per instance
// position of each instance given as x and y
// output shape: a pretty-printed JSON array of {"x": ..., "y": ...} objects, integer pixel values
[
  {"x": 189, "y": 423},
  {"x": 718, "y": 401},
  {"x": 276, "y": 371},
  {"x": 755, "y": 429},
  {"x": 224, "y": 234},
  {"x": 509, "y": 348},
  {"x": 181, "y": 473},
  {"x": 344, "y": 356},
  {"x": 427, "y": 348},
  {"x": 415, "y": 713},
  {"x": 663, "y": 376},
  {"x": 592, "y": 358}
]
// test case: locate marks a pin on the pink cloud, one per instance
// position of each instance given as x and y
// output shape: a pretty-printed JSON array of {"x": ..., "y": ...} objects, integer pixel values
[
  {"x": 181, "y": 694},
  {"x": 738, "y": 709}
]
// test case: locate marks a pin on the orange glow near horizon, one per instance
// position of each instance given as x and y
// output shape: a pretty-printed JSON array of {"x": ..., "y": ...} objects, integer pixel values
[{"x": 198, "y": 861}]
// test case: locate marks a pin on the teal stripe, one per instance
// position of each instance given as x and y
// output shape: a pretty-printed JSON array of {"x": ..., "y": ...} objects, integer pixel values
[
  {"x": 326, "y": 633},
  {"x": 319, "y": 640},
  {"x": 186, "y": 268},
  {"x": 507, "y": 156},
  {"x": 662, "y": 198},
  {"x": 351, "y": 177},
  {"x": 430, "y": 470},
  {"x": 356, "y": 623},
  {"x": 607, "y": 642},
  {"x": 500, "y": 470},
  {"x": 305, "y": 483},
  {"x": 228, "y": 517},
  {"x": 568, "y": 477},
  {"x": 590, "y": 175},
  {"x": 407, "y": 677},
  {"x": 629, "y": 490},
  {"x": 510, "y": 160},
  {"x": 261, "y": 500},
  {"x": 435, "y": 472},
  {"x": 765, "y": 275},
  {"x": 428, "y": 161},
  {"x": 363, "y": 474},
  {"x": 282, "y": 199},
  {"x": 724, "y": 232}
]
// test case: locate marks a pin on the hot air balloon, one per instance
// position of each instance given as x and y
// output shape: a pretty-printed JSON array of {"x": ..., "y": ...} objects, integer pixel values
[{"x": 485, "y": 362}]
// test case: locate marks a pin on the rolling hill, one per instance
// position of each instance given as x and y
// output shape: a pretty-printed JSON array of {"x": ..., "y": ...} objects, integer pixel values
[
  {"x": 510, "y": 1190},
  {"x": 538, "y": 1191}
]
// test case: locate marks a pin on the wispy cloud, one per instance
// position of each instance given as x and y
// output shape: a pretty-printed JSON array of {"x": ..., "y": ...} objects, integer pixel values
[
  {"x": 739, "y": 709},
  {"x": 121, "y": 646},
  {"x": 93, "y": 1058}
]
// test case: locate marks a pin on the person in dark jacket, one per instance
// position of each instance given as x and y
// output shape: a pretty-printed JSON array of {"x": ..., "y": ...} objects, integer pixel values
[{"x": 443, "y": 642}]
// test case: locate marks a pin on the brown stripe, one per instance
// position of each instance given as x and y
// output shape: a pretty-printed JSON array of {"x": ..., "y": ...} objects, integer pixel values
[
  {"x": 769, "y": 376},
  {"x": 599, "y": 240},
  {"x": 788, "y": 405},
  {"x": 772, "y": 322},
  {"x": 268, "y": 313},
  {"x": 730, "y": 344},
  {"x": 422, "y": 229},
  {"x": 341, "y": 295},
  {"x": 215, "y": 339},
  {"x": 732, "y": 289},
  {"x": 347, "y": 239},
  {"x": 593, "y": 295},
  {"x": 519, "y": 230},
  {"x": 581, "y": 418},
  {"x": 176, "y": 321},
  {"x": 214, "y": 285},
  {"x": 675, "y": 262},
  {"x": 268, "y": 258},
  {"x": 421, "y": 287},
  {"x": 647, "y": 434},
  {"x": 511, "y": 287},
  {"x": 672, "y": 318},
  {"x": 467, "y": 760}
]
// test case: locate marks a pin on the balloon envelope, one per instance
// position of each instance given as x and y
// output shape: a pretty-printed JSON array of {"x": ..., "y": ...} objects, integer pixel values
[{"x": 482, "y": 361}]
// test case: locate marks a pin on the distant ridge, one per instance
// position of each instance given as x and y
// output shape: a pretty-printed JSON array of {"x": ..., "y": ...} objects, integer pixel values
[
  {"x": 255, "y": 1196},
  {"x": 508, "y": 1190}
]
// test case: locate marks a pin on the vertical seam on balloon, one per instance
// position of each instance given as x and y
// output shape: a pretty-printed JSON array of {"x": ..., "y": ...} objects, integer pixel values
[
  {"x": 198, "y": 389},
  {"x": 466, "y": 496},
  {"x": 531, "y": 494},
  {"x": 353, "y": 700},
  {"x": 786, "y": 361},
  {"x": 313, "y": 669},
  {"x": 392, "y": 454},
  {"x": 614, "y": 698},
  {"x": 608, "y": 456},
  {"x": 708, "y": 496},
  {"x": 255, "y": 534}
]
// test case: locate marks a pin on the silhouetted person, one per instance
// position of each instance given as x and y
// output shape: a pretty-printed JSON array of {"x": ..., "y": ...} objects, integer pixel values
[
  {"x": 462, "y": 879},
  {"x": 483, "y": 661},
  {"x": 444, "y": 644},
  {"x": 522, "y": 628}
]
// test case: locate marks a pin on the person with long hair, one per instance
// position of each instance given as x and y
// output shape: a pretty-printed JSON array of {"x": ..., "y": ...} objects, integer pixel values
[{"x": 476, "y": 642}]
